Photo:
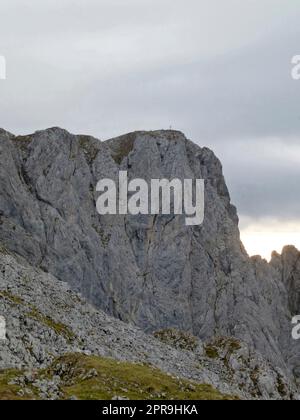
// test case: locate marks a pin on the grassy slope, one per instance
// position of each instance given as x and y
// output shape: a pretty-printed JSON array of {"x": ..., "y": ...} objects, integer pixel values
[{"x": 96, "y": 378}]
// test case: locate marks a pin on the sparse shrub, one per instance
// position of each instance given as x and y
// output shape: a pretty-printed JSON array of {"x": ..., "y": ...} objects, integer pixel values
[
  {"x": 179, "y": 339},
  {"x": 211, "y": 352}
]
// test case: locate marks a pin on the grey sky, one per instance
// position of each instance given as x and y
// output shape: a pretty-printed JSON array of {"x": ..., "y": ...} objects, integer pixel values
[{"x": 219, "y": 70}]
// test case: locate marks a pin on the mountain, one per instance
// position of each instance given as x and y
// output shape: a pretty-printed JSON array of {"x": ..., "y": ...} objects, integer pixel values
[
  {"x": 153, "y": 272},
  {"x": 58, "y": 346}
]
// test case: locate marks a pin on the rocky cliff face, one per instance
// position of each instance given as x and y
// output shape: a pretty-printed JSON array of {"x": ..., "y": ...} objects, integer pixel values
[
  {"x": 55, "y": 340},
  {"x": 152, "y": 271},
  {"x": 288, "y": 267}
]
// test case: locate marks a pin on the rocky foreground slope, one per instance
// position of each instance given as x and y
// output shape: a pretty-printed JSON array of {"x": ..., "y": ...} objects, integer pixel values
[
  {"x": 151, "y": 271},
  {"x": 46, "y": 321}
]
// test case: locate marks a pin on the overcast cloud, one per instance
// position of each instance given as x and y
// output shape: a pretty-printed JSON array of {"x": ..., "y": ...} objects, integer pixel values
[{"x": 218, "y": 70}]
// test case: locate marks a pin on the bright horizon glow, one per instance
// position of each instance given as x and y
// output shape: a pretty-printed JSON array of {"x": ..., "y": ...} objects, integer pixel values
[{"x": 264, "y": 237}]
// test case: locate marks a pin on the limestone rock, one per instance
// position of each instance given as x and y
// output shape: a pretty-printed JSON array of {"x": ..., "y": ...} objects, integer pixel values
[
  {"x": 151, "y": 271},
  {"x": 46, "y": 320}
]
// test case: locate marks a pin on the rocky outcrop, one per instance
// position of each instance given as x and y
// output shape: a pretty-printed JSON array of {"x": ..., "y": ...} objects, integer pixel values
[
  {"x": 151, "y": 271},
  {"x": 288, "y": 267}
]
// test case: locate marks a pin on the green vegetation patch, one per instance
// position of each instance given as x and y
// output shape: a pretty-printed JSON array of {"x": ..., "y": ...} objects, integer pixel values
[
  {"x": 95, "y": 378},
  {"x": 211, "y": 352},
  {"x": 7, "y": 391},
  {"x": 122, "y": 149},
  {"x": 229, "y": 343},
  {"x": 178, "y": 339},
  {"x": 58, "y": 327},
  {"x": 225, "y": 345},
  {"x": 8, "y": 296},
  {"x": 22, "y": 141},
  {"x": 90, "y": 147},
  {"x": 98, "y": 378}
]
